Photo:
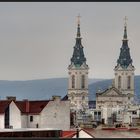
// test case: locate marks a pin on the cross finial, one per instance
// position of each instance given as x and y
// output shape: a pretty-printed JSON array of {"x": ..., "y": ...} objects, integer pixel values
[
  {"x": 78, "y": 19},
  {"x": 125, "y": 19}
]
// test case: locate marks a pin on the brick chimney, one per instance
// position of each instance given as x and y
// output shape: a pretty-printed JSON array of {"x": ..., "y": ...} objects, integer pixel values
[
  {"x": 27, "y": 105},
  {"x": 11, "y": 98},
  {"x": 56, "y": 98}
]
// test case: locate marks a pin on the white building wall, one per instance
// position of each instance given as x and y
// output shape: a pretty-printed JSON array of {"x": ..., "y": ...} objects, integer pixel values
[
  {"x": 24, "y": 121},
  {"x": 15, "y": 116},
  {"x": 127, "y": 119},
  {"x": 1, "y": 121},
  {"x": 36, "y": 120},
  {"x": 56, "y": 115},
  {"x": 105, "y": 114}
]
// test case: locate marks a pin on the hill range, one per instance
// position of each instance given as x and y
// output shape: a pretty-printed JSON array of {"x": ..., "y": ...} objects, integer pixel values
[{"x": 45, "y": 88}]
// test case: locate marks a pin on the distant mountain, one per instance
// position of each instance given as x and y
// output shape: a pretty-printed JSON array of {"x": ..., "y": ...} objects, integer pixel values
[
  {"x": 45, "y": 88},
  {"x": 36, "y": 89}
]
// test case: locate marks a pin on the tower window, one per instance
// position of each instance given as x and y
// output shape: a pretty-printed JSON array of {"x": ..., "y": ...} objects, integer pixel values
[
  {"x": 119, "y": 82},
  {"x": 128, "y": 82},
  {"x": 83, "y": 81},
  {"x": 73, "y": 81}
]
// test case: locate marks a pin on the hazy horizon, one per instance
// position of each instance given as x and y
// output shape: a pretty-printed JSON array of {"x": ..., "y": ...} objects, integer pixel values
[{"x": 37, "y": 38}]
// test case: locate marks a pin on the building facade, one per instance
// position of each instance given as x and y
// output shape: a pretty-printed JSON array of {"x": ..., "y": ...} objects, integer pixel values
[{"x": 54, "y": 114}]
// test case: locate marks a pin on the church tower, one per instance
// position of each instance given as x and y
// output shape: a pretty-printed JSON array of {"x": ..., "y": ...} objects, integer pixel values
[
  {"x": 78, "y": 76},
  {"x": 124, "y": 71}
]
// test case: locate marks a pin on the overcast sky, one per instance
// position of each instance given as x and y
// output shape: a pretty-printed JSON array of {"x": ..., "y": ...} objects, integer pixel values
[{"x": 37, "y": 39}]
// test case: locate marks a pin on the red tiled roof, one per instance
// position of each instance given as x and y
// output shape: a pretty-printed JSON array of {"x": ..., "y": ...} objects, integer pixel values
[
  {"x": 21, "y": 105},
  {"x": 68, "y": 134},
  {"x": 3, "y": 105},
  {"x": 35, "y": 107}
]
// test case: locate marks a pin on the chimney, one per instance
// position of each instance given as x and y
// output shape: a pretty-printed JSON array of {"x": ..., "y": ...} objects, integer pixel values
[
  {"x": 56, "y": 98},
  {"x": 27, "y": 105},
  {"x": 11, "y": 98}
]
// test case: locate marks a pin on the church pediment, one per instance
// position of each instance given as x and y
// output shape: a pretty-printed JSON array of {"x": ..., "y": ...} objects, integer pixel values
[{"x": 110, "y": 92}]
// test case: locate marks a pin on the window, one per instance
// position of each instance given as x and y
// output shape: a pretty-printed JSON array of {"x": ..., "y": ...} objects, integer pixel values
[
  {"x": 83, "y": 81},
  {"x": 95, "y": 113},
  {"x": 31, "y": 118},
  {"x": 83, "y": 97},
  {"x": 99, "y": 113},
  {"x": 119, "y": 82},
  {"x": 128, "y": 82},
  {"x": 73, "y": 81},
  {"x": 134, "y": 112}
]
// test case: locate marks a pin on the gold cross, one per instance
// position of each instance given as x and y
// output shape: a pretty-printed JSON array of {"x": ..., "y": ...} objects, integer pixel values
[
  {"x": 125, "y": 19},
  {"x": 78, "y": 19}
]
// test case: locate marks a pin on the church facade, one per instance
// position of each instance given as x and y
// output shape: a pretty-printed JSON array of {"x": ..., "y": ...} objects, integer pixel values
[{"x": 115, "y": 101}]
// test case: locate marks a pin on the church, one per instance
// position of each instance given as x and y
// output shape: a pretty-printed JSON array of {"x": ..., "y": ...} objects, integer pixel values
[{"x": 113, "y": 105}]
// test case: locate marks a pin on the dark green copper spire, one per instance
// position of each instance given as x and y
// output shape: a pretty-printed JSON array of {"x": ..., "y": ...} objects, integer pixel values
[
  {"x": 124, "y": 59},
  {"x": 78, "y": 57}
]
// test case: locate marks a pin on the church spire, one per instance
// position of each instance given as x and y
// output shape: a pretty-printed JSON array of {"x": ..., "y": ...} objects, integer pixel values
[
  {"x": 125, "y": 29},
  {"x": 78, "y": 28},
  {"x": 78, "y": 57},
  {"x": 124, "y": 58}
]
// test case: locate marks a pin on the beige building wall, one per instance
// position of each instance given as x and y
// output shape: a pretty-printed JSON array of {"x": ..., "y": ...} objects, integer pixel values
[{"x": 56, "y": 115}]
